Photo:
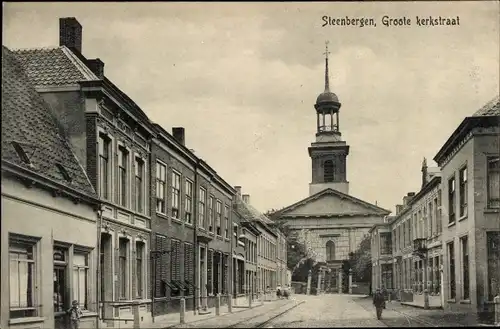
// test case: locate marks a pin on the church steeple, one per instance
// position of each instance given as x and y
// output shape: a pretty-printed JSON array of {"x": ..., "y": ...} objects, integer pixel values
[
  {"x": 327, "y": 77},
  {"x": 329, "y": 152},
  {"x": 327, "y": 105}
]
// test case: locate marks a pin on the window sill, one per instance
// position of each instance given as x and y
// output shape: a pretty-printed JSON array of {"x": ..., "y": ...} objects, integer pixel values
[
  {"x": 189, "y": 224},
  {"x": 451, "y": 224},
  {"x": 462, "y": 218},
  {"x": 492, "y": 210},
  {"x": 32, "y": 319},
  {"x": 176, "y": 220},
  {"x": 162, "y": 215},
  {"x": 465, "y": 301},
  {"x": 451, "y": 301}
]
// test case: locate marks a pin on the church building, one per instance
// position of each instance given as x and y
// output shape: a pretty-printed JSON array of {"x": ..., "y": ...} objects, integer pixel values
[{"x": 330, "y": 220}]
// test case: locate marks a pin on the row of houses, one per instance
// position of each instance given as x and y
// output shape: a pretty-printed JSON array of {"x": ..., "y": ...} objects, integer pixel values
[
  {"x": 103, "y": 206},
  {"x": 444, "y": 241}
]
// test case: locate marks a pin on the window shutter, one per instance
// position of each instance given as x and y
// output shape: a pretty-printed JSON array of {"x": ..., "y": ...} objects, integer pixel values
[
  {"x": 225, "y": 268},
  {"x": 209, "y": 272}
]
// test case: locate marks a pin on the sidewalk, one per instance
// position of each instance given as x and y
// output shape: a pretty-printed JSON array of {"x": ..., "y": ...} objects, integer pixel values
[
  {"x": 226, "y": 319},
  {"x": 438, "y": 317}
]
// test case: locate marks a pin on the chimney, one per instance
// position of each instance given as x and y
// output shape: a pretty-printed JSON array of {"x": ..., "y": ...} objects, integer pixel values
[
  {"x": 424, "y": 172},
  {"x": 178, "y": 133},
  {"x": 97, "y": 66},
  {"x": 70, "y": 33},
  {"x": 238, "y": 190},
  {"x": 246, "y": 198},
  {"x": 399, "y": 208}
]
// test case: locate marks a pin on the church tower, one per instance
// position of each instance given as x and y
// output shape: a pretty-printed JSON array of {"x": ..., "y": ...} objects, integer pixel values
[{"x": 329, "y": 152}]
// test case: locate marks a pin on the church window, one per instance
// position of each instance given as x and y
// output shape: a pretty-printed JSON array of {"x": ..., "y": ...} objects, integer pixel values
[
  {"x": 330, "y": 250},
  {"x": 329, "y": 171}
]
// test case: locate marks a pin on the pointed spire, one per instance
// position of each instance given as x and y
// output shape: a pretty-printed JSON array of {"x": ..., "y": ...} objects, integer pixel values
[
  {"x": 424, "y": 163},
  {"x": 327, "y": 78}
]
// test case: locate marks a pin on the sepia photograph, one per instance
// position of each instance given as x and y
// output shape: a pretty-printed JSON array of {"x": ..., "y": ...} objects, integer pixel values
[{"x": 250, "y": 165}]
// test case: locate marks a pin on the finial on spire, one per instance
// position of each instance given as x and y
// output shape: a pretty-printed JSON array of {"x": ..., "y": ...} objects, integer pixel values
[
  {"x": 327, "y": 79},
  {"x": 424, "y": 163}
]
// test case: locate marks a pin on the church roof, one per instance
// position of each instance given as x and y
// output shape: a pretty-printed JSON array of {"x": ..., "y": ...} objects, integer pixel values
[{"x": 371, "y": 208}]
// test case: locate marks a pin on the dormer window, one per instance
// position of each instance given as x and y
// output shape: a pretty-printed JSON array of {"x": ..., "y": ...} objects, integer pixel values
[
  {"x": 64, "y": 172},
  {"x": 21, "y": 153}
]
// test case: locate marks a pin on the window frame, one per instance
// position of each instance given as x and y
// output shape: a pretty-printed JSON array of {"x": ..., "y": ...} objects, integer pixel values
[
  {"x": 86, "y": 269},
  {"x": 188, "y": 202},
  {"x": 218, "y": 217},
  {"x": 226, "y": 221},
  {"x": 202, "y": 207},
  {"x": 104, "y": 178},
  {"x": 123, "y": 165},
  {"x": 211, "y": 213},
  {"x": 24, "y": 243},
  {"x": 464, "y": 248},
  {"x": 123, "y": 274},
  {"x": 161, "y": 185},
  {"x": 452, "y": 189},
  {"x": 489, "y": 172},
  {"x": 139, "y": 183},
  {"x": 175, "y": 208},
  {"x": 140, "y": 273},
  {"x": 463, "y": 184}
]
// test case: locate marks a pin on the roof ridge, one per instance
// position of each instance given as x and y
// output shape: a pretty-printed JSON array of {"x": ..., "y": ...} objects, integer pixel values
[{"x": 34, "y": 48}]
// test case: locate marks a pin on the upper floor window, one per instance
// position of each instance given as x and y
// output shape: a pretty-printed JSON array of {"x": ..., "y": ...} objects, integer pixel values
[
  {"x": 462, "y": 179},
  {"x": 122, "y": 176},
  {"x": 176, "y": 192},
  {"x": 211, "y": 214},
  {"x": 139, "y": 185},
  {"x": 104, "y": 164},
  {"x": 188, "y": 205},
  {"x": 203, "y": 195},
  {"x": 218, "y": 217},
  {"x": 451, "y": 200},
  {"x": 493, "y": 182},
  {"x": 161, "y": 184},
  {"x": 226, "y": 222},
  {"x": 329, "y": 171}
]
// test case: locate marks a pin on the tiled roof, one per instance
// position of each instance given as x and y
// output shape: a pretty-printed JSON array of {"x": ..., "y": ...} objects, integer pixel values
[
  {"x": 492, "y": 108},
  {"x": 249, "y": 213},
  {"x": 53, "y": 66},
  {"x": 28, "y": 121}
]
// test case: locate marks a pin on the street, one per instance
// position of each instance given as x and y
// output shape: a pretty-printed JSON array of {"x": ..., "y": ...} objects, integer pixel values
[
  {"x": 332, "y": 311},
  {"x": 326, "y": 311}
]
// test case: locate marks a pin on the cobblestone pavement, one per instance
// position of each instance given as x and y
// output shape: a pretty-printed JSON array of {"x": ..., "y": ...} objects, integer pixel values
[
  {"x": 397, "y": 315},
  {"x": 327, "y": 311}
]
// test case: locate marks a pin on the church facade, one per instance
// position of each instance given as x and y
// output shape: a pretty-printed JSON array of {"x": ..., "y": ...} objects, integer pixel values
[{"x": 331, "y": 222}]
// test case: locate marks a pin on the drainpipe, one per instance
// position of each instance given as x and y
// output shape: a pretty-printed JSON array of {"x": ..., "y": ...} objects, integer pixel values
[
  {"x": 195, "y": 237},
  {"x": 98, "y": 296}
]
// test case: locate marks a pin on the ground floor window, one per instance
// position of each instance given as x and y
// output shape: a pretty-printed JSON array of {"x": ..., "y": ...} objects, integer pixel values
[
  {"x": 80, "y": 278},
  {"x": 22, "y": 277},
  {"x": 61, "y": 285},
  {"x": 493, "y": 251}
]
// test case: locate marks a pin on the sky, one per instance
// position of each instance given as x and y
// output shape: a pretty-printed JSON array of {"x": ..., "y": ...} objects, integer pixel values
[{"x": 242, "y": 78}]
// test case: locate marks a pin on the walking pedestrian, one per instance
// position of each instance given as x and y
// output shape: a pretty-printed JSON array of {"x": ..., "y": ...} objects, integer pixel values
[{"x": 379, "y": 303}]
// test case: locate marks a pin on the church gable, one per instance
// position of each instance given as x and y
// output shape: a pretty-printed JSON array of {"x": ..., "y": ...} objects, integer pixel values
[{"x": 332, "y": 203}]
